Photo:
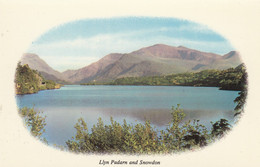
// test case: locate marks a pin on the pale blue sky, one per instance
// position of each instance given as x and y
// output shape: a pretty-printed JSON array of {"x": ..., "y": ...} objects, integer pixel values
[{"x": 80, "y": 43}]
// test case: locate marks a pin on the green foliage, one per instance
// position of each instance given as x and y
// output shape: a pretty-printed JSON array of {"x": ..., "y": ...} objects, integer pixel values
[
  {"x": 180, "y": 135},
  {"x": 229, "y": 79},
  {"x": 241, "y": 99},
  {"x": 30, "y": 81},
  {"x": 142, "y": 138},
  {"x": 50, "y": 84},
  {"x": 82, "y": 137},
  {"x": 220, "y": 128},
  {"x": 175, "y": 132},
  {"x": 26, "y": 80},
  {"x": 34, "y": 121}
]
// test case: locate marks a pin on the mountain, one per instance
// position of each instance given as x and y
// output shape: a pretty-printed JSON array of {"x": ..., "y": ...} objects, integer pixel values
[
  {"x": 154, "y": 60},
  {"x": 36, "y": 63},
  {"x": 158, "y": 59}
]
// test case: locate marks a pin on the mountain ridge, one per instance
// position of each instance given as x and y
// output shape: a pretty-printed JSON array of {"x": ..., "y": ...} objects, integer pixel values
[{"x": 158, "y": 59}]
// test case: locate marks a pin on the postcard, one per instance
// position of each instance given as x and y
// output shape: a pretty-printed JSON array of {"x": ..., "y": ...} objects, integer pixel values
[{"x": 140, "y": 83}]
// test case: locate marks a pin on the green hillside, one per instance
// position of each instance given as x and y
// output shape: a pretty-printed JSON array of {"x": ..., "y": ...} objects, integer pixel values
[
  {"x": 229, "y": 79},
  {"x": 28, "y": 81}
]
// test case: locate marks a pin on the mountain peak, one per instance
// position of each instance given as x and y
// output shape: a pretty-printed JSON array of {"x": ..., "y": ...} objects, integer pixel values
[
  {"x": 36, "y": 63},
  {"x": 30, "y": 55},
  {"x": 182, "y": 47},
  {"x": 230, "y": 55},
  {"x": 160, "y": 45}
]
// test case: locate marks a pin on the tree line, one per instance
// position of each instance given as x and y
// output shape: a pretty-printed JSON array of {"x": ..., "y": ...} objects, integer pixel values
[{"x": 229, "y": 79}]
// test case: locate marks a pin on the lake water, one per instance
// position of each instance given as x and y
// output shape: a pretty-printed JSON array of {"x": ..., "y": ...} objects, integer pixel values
[{"x": 63, "y": 107}]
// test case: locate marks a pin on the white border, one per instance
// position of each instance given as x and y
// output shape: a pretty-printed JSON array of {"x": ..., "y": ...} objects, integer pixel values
[{"x": 23, "y": 21}]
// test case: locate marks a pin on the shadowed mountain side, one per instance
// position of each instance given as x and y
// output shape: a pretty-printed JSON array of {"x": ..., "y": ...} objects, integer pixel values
[
  {"x": 93, "y": 70},
  {"x": 228, "y": 60},
  {"x": 54, "y": 78},
  {"x": 36, "y": 63},
  {"x": 135, "y": 66}
]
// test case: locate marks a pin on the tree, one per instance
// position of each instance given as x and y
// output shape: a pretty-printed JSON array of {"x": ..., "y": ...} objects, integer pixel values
[
  {"x": 241, "y": 99},
  {"x": 196, "y": 136},
  {"x": 142, "y": 138},
  {"x": 26, "y": 79},
  {"x": 34, "y": 121},
  {"x": 81, "y": 142},
  {"x": 220, "y": 128}
]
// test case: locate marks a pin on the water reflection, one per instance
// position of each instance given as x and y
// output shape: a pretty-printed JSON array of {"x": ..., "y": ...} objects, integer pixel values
[
  {"x": 161, "y": 117},
  {"x": 61, "y": 121}
]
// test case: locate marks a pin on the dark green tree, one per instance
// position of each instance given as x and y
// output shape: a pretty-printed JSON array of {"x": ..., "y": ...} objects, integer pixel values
[
  {"x": 220, "y": 128},
  {"x": 241, "y": 99}
]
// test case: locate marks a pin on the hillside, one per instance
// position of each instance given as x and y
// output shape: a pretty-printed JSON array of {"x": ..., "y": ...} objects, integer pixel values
[
  {"x": 36, "y": 63},
  {"x": 90, "y": 72},
  {"x": 28, "y": 81},
  {"x": 229, "y": 79}
]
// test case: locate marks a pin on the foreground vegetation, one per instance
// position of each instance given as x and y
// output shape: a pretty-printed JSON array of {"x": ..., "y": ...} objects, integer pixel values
[
  {"x": 229, "y": 79},
  {"x": 29, "y": 81},
  {"x": 133, "y": 139},
  {"x": 35, "y": 122},
  {"x": 143, "y": 138}
]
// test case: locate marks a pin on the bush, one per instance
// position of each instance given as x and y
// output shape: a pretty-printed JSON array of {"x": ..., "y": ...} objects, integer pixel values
[
  {"x": 142, "y": 138},
  {"x": 34, "y": 121}
]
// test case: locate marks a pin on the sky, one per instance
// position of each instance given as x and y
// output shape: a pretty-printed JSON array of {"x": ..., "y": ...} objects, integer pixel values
[{"x": 77, "y": 44}]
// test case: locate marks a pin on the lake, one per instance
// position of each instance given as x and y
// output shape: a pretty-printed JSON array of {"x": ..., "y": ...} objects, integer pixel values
[{"x": 63, "y": 107}]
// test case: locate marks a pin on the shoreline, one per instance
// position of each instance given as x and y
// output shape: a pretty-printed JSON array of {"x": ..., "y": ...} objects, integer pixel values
[
  {"x": 58, "y": 86},
  {"x": 157, "y": 85}
]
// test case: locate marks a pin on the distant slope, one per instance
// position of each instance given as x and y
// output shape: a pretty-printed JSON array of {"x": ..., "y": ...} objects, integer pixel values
[
  {"x": 228, "y": 60},
  {"x": 90, "y": 72},
  {"x": 228, "y": 79},
  {"x": 36, "y": 63}
]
